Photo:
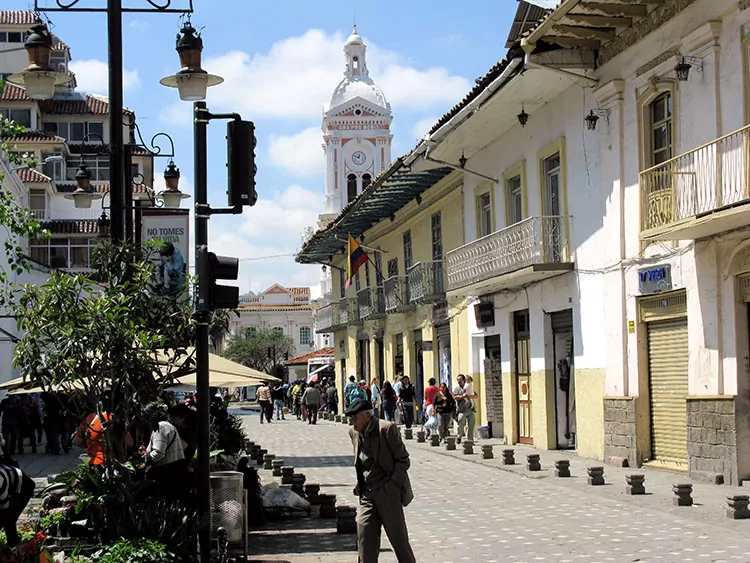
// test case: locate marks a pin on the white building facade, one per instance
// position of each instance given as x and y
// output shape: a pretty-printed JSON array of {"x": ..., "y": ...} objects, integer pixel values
[
  {"x": 286, "y": 310},
  {"x": 608, "y": 258}
]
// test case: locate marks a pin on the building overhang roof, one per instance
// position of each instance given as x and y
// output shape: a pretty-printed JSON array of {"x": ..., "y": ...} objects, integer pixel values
[{"x": 387, "y": 194}]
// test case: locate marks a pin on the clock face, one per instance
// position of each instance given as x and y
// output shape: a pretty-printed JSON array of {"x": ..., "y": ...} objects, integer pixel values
[{"x": 359, "y": 158}]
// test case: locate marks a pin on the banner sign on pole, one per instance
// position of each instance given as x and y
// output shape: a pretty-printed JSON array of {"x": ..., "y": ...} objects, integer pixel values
[{"x": 170, "y": 229}]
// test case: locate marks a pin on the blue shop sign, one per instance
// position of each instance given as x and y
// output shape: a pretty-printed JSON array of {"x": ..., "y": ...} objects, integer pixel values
[{"x": 655, "y": 279}]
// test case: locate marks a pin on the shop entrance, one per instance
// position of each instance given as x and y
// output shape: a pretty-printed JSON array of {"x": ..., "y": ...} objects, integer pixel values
[
  {"x": 493, "y": 386},
  {"x": 522, "y": 363},
  {"x": 562, "y": 339}
]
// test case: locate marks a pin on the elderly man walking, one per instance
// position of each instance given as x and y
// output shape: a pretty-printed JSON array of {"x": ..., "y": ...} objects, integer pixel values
[{"x": 383, "y": 486}]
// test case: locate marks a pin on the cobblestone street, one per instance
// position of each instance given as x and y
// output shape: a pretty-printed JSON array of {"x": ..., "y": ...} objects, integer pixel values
[{"x": 467, "y": 509}]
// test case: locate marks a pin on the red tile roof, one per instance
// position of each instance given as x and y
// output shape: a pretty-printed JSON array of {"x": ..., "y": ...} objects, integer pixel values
[
  {"x": 31, "y": 176},
  {"x": 13, "y": 93},
  {"x": 18, "y": 17},
  {"x": 88, "y": 105},
  {"x": 71, "y": 226},
  {"x": 32, "y": 136},
  {"x": 302, "y": 360}
]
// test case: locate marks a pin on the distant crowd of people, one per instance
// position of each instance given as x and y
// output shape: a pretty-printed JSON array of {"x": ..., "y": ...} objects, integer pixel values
[{"x": 397, "y": 402}]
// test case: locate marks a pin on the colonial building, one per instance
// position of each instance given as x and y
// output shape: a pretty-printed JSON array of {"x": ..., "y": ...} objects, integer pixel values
[
  {"x": 597, "y": 291},
  {"x": 286, "y": 310}
]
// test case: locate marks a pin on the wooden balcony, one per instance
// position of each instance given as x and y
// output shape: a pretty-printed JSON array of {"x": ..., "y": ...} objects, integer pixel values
[
  {"x": 425, "y": 281},
  {"x": 529, "y": 251},
  {"x": 698, "y": 194}
]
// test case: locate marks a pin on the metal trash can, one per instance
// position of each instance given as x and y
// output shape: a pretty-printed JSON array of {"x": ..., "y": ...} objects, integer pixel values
[
  {"x": 483, "y": 432},
  {"x": 228, "y": 504}
]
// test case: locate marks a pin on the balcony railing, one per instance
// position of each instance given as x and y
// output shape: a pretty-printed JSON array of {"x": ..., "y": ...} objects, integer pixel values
[
  {"x": 425, "y": 282},
  {"x": 371, "y": 302},
  {"x": 348, "y": 311},
  {"x": 531, "y": 242},
  {"x": 327, "y": 318},
  {"x": 39, "y": 214},
  {"x": 701, "y": 181},
  {"x": 396, "y": 292}
]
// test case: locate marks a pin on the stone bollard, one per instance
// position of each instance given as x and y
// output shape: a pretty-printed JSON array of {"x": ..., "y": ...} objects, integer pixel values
[
  {"x": 487, "y": 452},
  {"x": 298, "y": 483},
  {"x": 635, "y": 485},
  {"x": 596, "y": 475},
  {"x": 737, "y": 507},
  {"x": 562, "y": 468},
  {"x": 408, "y": 433},
  {"x": 509, "y": 457},
  {"x": 312, "y": 492},
  {"x": 468, "y": 447},
  {"x": 533, "y": 463},
  {"x": 434, "y": 440},
  {"x": 287, "y": 472},
  {"x": 259, "y": 456},
  {"x": 421, "y": 436},
  {"x": 683, "y": 494},
  {"x": 346, "y": 520},
  {"x": 350, "y": 420},
  {"x": 253, "y": 453},
  {"x": 327, "y": 506},
  {"x": 276, "y": 465},
  {"x": 345, "y": 420},
  {"x": 337, "y": 418},
  {"x": 450, "y": 443},
  {"x": 268, "y": 460},
  {"x": 248, "y": 446}
]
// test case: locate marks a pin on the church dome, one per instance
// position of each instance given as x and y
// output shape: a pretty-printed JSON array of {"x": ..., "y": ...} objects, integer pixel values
[{"x": 357, "y": 82}]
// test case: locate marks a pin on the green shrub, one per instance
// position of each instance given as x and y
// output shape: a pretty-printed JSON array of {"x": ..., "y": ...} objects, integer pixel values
[{"x": 137, "y": 551}]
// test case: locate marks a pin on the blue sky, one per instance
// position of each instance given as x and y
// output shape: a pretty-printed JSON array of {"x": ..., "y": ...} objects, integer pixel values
[{"x": 281, "y": 60}]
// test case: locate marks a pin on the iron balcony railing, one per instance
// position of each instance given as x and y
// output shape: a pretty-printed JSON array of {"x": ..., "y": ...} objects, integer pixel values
[
  {"x": 371, "y": 302},
  {"x": 327, "y": 318},
  {"x": 533, "y": 241},
  {"x": 396, "y": 292},
  {"x": 703, "y": 180},
  {"x": 348, "y": 311},
  {"x": 425, "y": 282}
]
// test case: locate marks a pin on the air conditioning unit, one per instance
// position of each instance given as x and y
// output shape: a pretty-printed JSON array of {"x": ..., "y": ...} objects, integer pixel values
[{"x": 485, "y": 314}]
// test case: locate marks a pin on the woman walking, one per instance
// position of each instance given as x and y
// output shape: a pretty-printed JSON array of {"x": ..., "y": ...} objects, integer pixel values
[{"x": 445, "y": 405}]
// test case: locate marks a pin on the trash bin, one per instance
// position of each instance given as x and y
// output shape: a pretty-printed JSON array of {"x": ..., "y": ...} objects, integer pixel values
[
  {"x": 483, "y": 432},
  {"x": 228, "y": 504}
]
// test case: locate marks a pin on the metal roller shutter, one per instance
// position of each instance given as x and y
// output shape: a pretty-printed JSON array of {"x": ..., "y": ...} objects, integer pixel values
[{"x": 668, "y": 384}]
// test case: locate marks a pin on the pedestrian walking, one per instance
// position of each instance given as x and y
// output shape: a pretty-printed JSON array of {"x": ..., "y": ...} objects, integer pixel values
[
  {"x": 382, "y": 464},
  {"x": 165, "y": 459},
  {"x": 430, "y": 392},
  {"x": 26, "y": 422},
  {"x": 349, "y": 390},
  {"x": 10, "y": 411},
  {"x": 301, "y": 408},
  {"x": 406, "y": 397},
  {"x": 464, "y": 395},
  {"x": 332, "y": 399},
  {"x": 397, "y": 388},
  {"x": 263, "y": 395},
  {"x": 445, "y": 406},
  {"x": 278, "y": 401},
  {"x": 312, "y": 398},
  {"x": 375, "y": 397},
  {"x": 389, "y": 400}
]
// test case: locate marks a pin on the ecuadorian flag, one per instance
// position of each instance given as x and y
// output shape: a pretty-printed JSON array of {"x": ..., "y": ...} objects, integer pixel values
[{"x": 357, "y": 257}]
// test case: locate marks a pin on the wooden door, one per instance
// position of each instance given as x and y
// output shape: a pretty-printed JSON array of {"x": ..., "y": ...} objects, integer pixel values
[{"x": 523, "y": 376}]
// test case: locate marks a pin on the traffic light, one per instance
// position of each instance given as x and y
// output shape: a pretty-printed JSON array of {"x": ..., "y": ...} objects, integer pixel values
[
  {"x": 241, "y": 162},
  {"x": 212, "y": 295}
]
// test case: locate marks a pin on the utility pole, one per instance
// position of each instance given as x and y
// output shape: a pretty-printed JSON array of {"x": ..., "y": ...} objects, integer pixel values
[{"x": 116, "y": 149}]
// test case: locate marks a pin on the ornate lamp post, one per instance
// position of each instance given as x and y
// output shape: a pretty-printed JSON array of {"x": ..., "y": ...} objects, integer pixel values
[
  {"x": 39, "y": 77},
  {"x": 191, "y": 80}
]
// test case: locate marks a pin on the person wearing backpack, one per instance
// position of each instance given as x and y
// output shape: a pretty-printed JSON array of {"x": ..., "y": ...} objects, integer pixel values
[
  {"x": 351, "y": 386},
  {"x": 406, "y": 397}
]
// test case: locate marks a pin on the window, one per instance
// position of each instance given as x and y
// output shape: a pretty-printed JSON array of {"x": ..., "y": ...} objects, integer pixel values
[
  {"x": 366, "y": 267},
  {"x": 22, "y": 116},
  {"x": 351, "y": 188},
  {"x": 342, "y": 283},
  {"x": 55, "y": 169},
  {"x": 484, "y": 214},
  {"x": 305, "y": 336},
  {"x": 38, "y": 203},
  {"x": 73, "y": 253},
  {"x": 366, "y": 181},
  {"x": 97, "y": 165},
  {"x": 408, "y": 257},
  {"x": 552, "y": 185},
  {"x": 277, "y": 331},
  {"x": 514, "y": 199},
  {"x": 76, "y": 132},
  {"x": 437, "y": 237},
  {"x": 660, "y": 118},
  {"x": 59, "y": 61},
  {"x": 358, "y": 286},
  {"x": 12, "y": 37},
  {"x": 379, "y": 269},
  {"x": 392, "y": 267}
]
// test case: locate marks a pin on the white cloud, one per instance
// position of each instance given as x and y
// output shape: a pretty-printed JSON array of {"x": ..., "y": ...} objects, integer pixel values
[
  {"x": 299, "y": 154},
  {"x": 92, "y": 76},
  {"x": 420, "y": 128},
  {"x": 296, "y": 77},
  {"x": 284, "y": 217}
]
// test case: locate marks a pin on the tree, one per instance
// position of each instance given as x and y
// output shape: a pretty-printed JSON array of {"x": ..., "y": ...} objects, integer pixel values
[
  {"x": 260, "y": 349},
  {"x": 219, "y": 326}
]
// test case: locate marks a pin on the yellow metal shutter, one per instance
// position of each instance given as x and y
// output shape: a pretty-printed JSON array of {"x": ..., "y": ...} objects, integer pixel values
[{"x": 668, "y": 384}]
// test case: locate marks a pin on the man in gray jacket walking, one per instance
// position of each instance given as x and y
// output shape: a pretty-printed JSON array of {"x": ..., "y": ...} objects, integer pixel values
[{"x": 312, "y": 398}]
